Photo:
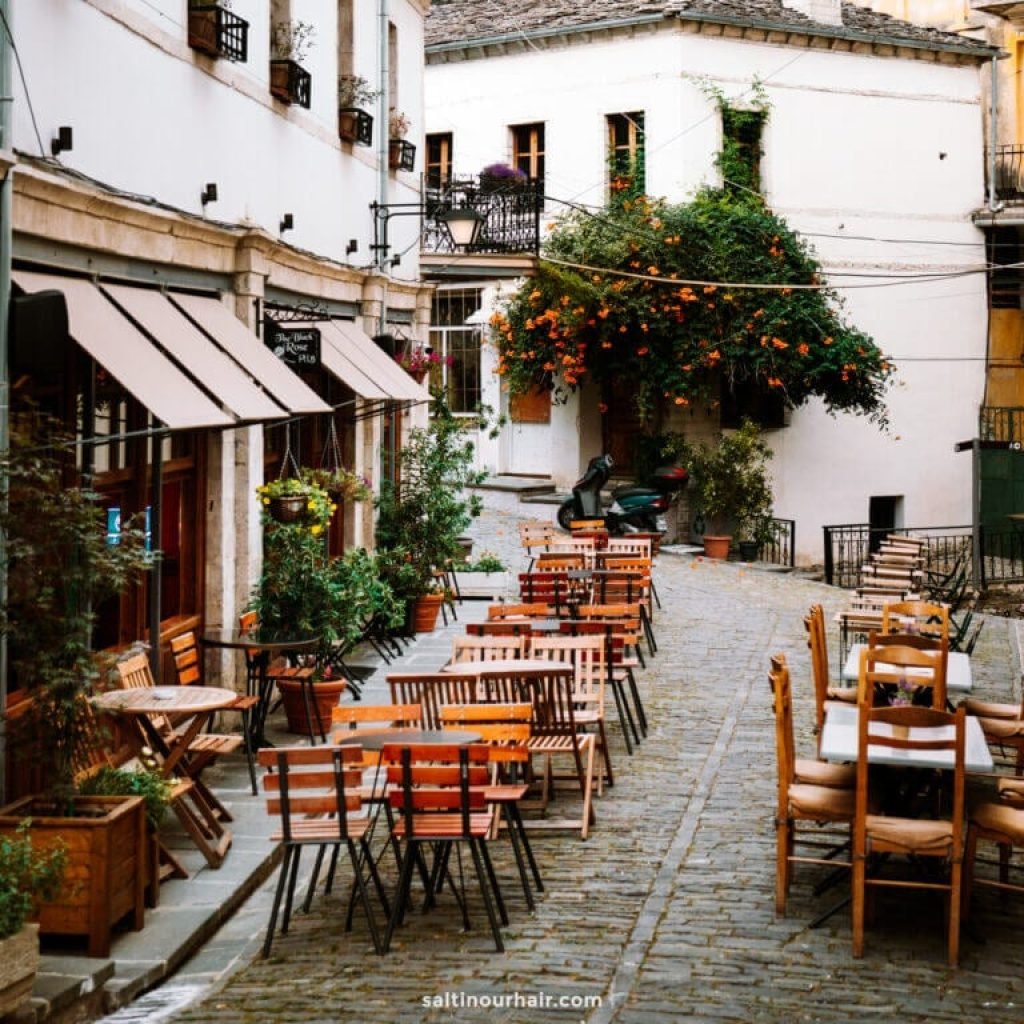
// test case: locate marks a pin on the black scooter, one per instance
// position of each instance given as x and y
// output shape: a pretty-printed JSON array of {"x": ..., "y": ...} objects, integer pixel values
[{"x": 633, "y": 509}]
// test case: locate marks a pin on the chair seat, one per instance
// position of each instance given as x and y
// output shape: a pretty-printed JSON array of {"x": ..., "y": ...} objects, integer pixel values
[
  {"x": 821, "y": 802},
  {"x": 846, "y": 694},
  {"x": 322, "y": 830},
  {"x": 1002, "y": 728},
  {"x": 1011, "y": 791},
  {"x": 504, "y": 793},
  {"x": 1003, "y": 819},
  {"x": 215, "y": 743},
  {"x": 990, "y": 709},
  {"x": 557, "y": 744},
  {"x": 909, "y": 835},
  {"x": 821, "y": 773},
  {"x": 444, "y": 826}
]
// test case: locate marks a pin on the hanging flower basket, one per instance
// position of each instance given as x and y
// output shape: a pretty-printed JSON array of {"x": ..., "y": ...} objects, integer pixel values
[{"x": 288, "y": 508}]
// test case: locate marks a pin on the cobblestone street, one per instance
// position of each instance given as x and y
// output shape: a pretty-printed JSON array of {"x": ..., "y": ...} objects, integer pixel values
[{"x": 666, "y": 911}]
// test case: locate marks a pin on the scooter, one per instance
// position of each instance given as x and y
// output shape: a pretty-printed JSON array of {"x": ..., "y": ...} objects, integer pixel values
[{"x": 633, "y": 509}]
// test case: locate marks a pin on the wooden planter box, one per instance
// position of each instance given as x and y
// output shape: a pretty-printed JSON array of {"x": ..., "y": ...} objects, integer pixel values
[
  {"x": 401, "y": 155},
  {"x": 355, "y": 125},
  {"x": 218, "y": 32},
  {"x": 107, "y": 864},
  {"x": 291, "y": 83},
  {"x": 493, "y": 585},
  {"x": 19, "y": 961}
]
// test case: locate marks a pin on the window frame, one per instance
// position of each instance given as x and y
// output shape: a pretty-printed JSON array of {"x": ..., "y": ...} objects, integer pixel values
[
  {"x": 443, "y": 163},
  {"x": 528, "y": 149},
  {"x": 633, "y": 148}
]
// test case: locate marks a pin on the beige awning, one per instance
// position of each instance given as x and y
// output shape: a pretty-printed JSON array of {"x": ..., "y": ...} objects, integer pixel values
[
  {"x": 358, "y": 346},
  {"x": 128, "y": 355},
  {"x": 338, "y": 363},
  {"x": 232, "y": 387},
  {"x": 216, "y": 320}
]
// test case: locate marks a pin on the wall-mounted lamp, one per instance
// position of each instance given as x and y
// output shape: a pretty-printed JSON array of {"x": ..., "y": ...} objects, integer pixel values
[
  {"x": 61, "y": 142},
  {"x": 209, "y": 193},
  {"x": 353, "y": 246},
  {"x": 463, "y": 223},
  {"x": 287, "y": 223}
]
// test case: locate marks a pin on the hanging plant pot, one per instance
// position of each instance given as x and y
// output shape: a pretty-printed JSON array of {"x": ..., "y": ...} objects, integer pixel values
[
  {"x": 326, "y": 694},
  {"x": 288, "y": 508},
  {"x": 426, "y": 609},
  {"x": 716, "y": 546}
]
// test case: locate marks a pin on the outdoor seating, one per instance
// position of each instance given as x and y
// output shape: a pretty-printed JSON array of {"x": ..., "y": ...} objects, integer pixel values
[
  {"x": 315, "y": 791},
  {"x": 489, "y": 648},
  {"x": 1003, "y": 725},
  {"x": 824, "y": 690},
  {"x": 500, "y": 627},
  {"x": 439, "y": 795},
  {"x": 800, "y": 803},
  {"x": 535, "y": 610},
  {"x": 923, "y": 617},
  {"x": 902, "y": 830},
  {"x": 1000, "y": 822},
  {"x": 898, "y": 674}
]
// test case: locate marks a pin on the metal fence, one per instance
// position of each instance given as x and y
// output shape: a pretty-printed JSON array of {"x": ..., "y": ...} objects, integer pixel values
[{"x": 781, "y": 549}]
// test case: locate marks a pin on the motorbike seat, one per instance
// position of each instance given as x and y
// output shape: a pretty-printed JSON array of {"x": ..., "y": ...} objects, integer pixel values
[{"x": 629, "y": 491}]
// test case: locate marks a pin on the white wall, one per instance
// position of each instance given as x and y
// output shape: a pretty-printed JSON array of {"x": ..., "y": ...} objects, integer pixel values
[{"x": 878, "y": 160}]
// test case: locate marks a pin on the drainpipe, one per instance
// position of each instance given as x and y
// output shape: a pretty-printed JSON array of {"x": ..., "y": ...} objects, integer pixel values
[
  {"x": 6, "y": 143},
  {"x": 994, "y": 207}
]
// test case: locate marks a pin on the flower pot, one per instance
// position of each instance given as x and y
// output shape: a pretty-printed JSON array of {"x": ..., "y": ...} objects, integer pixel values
[
  {"x": 716, "y": 546},
  {"x": 426, "y": 609},
  {"x": 355, "y": 125},
  {"x": 749, "y": 550},
  {"x": 19, "y": 961},
  {"x": 326, "y": 694},
  {"x": 493, "y": 585},
  {"x": 288, "y": 508},
  {"x": 107, "y": 864}
]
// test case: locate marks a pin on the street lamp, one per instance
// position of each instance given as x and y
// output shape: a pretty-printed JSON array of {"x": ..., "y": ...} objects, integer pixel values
[{"x": 463, "y": 223}]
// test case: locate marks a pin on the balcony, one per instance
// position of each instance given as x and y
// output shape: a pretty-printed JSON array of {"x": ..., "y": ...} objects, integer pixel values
[
  {"x": 511, "y": 216},
  {"x": 1012, "y": 10},
  {"x": 1009, "y": 181}
]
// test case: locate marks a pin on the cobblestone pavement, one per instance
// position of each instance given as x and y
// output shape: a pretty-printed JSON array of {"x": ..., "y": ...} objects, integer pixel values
[{"x": 666, "y": 911}]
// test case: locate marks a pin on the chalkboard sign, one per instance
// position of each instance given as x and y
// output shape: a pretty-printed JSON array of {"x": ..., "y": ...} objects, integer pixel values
[{"x": 296, "y": 346}]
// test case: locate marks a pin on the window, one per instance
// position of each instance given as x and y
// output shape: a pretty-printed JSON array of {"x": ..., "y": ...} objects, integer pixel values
[
  {"x": 626, "y": 151},
  {"x": 528, "y": 150},
  {"x": 740, "y": 158},
  {"x": 1004, "y": 257},
  {"x": 458, "y": 344},
  {"x": 439, "y": 160}
]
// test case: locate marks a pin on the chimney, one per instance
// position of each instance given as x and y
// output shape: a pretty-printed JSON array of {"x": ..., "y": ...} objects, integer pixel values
[{"x": 825, "y": 12}]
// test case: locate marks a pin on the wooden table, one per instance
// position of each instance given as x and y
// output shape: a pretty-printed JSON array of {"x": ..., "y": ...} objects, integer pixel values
[
  {"x": 260, "y": 649},
  {"x": 197, "y": 704},
  {"x": 958, "y": 669},
  {"x": 474, "y": 668},
  {"x": 839, "y": 744},
  {"x": 370, "y": 740}
]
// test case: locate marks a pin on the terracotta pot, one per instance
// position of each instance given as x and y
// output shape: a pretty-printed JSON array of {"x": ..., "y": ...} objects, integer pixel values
[
  {"x": 425, "y": 612},
  {"x": 716, "y": 546},
  {"x": 19, "y": 961},
  {"x": 326, "y": 693}
]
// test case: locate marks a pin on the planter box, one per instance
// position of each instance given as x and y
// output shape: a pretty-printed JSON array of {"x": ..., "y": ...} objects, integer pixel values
[
  {"x": 218, "y": 32},
  {"x": 291, "y": 83},
  {"x": 19, "y": 961},
  {"x": 401, "y": 155},
  {"x": 355, "y": 125},
  {"x": 107, "y": 865},
  {"x": 493, "y": 585}
]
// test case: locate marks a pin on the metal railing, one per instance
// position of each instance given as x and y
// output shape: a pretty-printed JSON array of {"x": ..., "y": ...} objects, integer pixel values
[
  {"x": 1001, "y": 423},
  {"x": 1009, "y": 181},
  {"x": 511, "y": 215},
  {"x": 781, "y": 548}
]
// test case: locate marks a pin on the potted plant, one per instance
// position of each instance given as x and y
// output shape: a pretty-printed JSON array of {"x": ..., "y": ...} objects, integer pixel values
[
  {"x": 420, "y": 520},
  {"x": 500, "y": 177},
  {"x": 26, "y": 877},
  {"x": 61, "y": 565},
  {"x": 290, "y": 41},
  {"x": 354, "y": 123},
  {"x": 215, "y": 30},
  {"x": 486, "y": 577},
  {"x": 419, "y": 360},
  {"x": 401, "y": 154},
  {"x": 731, "y": 486},
  {"x": 293, "y": 500},
  {"x": 340, "y": 484}
]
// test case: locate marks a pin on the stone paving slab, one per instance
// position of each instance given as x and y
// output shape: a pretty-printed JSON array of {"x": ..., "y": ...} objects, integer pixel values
[{"x": 667, "y": 912}]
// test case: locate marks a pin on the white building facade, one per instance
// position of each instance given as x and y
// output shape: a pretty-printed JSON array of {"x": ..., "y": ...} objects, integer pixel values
[
  {"x": 196, "y": 185},
  {"x": 872, "y": 149}
]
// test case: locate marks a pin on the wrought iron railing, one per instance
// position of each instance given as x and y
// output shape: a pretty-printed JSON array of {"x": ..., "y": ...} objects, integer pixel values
[
  {"x": 217, "y": 31},
  {"x": 1001, "y": 423},
  {"x": 781, "y": 548},
  {"x": 511, "y": 215},
  {"x": 1009, "y": 180}
]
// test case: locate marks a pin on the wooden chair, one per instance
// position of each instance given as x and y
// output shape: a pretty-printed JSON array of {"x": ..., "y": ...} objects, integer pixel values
[
  {"x": 188, "y": 669},
  {"x": 897, "y": 728},
  {"x": 560, "y": 561},
  {"x": 923, "y": 617},
  {"x": 430, "y": 691},
  {"x": 1000, "y": 822},
  {"x": 315, "y": 792},
  {"x": 1002, "y": 724},
  {"x": 574, "y": 545},
  {"x": 587, "y": 655},
  {"x": 439, "y": 794},
  {"x": 894, "y": 672},
  {"x": 506, "y": 729},
  {"x": 500, "y": 627},
  {"x": 627, "y": 581},
  {"x": 824, "y": 690},
  {"x": 535, "y": 610},
  {"x": 586, "y": 524},
  {"x": 799, "y": 803},
  {"x": 489, "y": 648},
  {"x": 535, "y": 538}
]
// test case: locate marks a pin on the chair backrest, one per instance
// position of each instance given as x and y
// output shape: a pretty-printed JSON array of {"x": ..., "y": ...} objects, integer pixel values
[
  {"x": 893, "y": 673},
  {"x": 504, "y": 725},
  {"x": 785, "y": 755},
  {"x": 559, "y": 561},
  {"x": 431, "y": 691},
  {"x": 615, "y": 586},
  {"x": 534, "y": 610},
  {"x": 397, "y": 716},
  {"x": 550, "y": 692},
  {"x": 817, "y": 643},
  {"x": 249, "y": 622},
  {"x": 551, "y": 588},
  {"x": 187, "y": 663},
  {"x": 428, "y": 780},
  {"x": 489, "y": 648},
  {"x": 916, "y": 616},
  {"x": 586, "y": 524},
  {"x": 588, "y": 656},
  {"x": 619, "y": 547},
  {"x": 134, "y": 674},
  {"x": 304, "y": 781},
  {"x": 499, "y": 627}
]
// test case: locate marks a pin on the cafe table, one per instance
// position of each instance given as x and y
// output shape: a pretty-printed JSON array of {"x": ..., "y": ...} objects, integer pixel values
[
  {"x": 474, "y": 668},
  {"x": 958, "y": 669},
  {"x": 260, "y": 649},
  {"x": 146, "y": 705},
  {"x": 839, "y": 741}
]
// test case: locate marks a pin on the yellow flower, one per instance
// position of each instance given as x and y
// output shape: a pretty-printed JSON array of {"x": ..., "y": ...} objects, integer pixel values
[
  {"x": 266, "y": 501},
  {"x": 316, "y": 529}
]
